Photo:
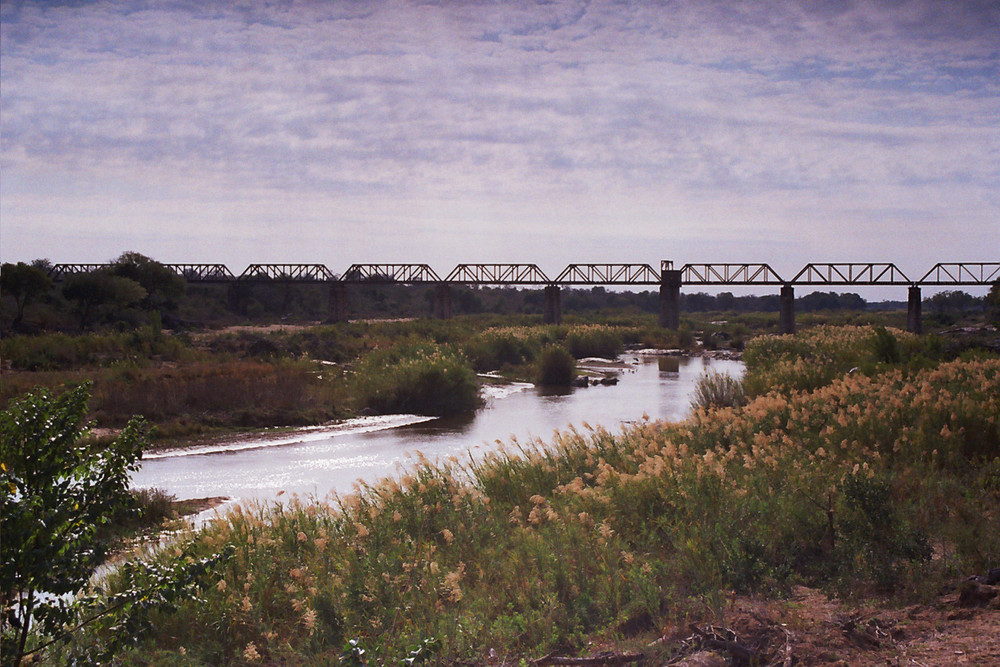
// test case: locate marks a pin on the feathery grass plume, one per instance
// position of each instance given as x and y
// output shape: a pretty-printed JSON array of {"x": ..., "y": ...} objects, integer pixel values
[{"x": 718, "y": 390}]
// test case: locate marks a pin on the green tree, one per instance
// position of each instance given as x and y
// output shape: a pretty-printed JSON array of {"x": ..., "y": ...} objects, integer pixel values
[
  {"x": 24, "y": 283},
  {"x": 100, "y": 293},
  {"x": 57, "y": 490},
  {"x": 163, "y": 286},
  {"x": 993, "y": 303}
]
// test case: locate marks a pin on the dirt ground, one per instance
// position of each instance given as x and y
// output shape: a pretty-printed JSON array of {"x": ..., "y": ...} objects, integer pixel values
[{"x": 809, "y": 629}]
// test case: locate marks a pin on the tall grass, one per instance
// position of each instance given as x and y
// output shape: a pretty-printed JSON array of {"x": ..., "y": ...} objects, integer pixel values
[
  {"x": 718, "y": 390},
  {"x": 50, "y": 352},
  {"x": 538, "y": 546}
]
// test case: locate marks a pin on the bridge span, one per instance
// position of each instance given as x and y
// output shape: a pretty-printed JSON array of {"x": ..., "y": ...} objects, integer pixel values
[{"x": 668, "y": 279}]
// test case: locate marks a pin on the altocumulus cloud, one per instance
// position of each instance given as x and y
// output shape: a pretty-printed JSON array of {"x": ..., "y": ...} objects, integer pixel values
[{"x": 440, "y": 123}]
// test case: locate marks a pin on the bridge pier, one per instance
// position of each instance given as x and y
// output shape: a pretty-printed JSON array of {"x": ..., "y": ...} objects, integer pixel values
[
  {"x": 914, "y": 323},
  {"x": 553, "y": 305},
  {"x": 670, "y": 299},
  {"x": 786, "y": 321},
  {"x": 337, "y": 304},
  {"x": 442, "y": 301}
]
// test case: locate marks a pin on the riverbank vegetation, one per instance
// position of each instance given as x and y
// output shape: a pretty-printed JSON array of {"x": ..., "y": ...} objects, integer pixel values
[
  {"x": 879, "y": 480},
  {"x": 195, "y": 384}
]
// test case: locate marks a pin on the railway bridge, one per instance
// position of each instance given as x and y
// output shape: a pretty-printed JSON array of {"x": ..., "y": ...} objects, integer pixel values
[{"x": 668, "y": 278}]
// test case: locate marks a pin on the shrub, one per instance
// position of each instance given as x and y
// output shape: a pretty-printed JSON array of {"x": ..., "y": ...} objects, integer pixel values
[
  {"x": 594, "y": 341},
  {"x": 718, "y": 390},
  {"x": 425, "y": 380},
  {"x": 556, "y": 367},
  {"x": 885, "y": 347},
  {"x": 503, "y": 347}
]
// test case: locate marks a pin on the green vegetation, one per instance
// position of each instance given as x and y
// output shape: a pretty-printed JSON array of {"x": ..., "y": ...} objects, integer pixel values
[
  {"x": 421, "y": 379},
  {"x": 193, "y": 384},
  {"x": 56, "y": 493},
  {"x": 556, "y": 367},
  {"x": 718, "y": 390},
  {"x": 878, "y": 482}
]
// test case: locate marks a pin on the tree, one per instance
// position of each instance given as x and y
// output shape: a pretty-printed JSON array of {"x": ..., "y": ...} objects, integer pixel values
[
  {"x": 56, "y": 492},
  {"x": 993, "y": 303},
  {"x": 25, "y": 283},
  {"x": 163, "y": 286},
  {"x": 99, "y": 291}
]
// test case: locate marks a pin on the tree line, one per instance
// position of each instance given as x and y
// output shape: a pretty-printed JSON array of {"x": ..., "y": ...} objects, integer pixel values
[{"x": 135, "y": 291}]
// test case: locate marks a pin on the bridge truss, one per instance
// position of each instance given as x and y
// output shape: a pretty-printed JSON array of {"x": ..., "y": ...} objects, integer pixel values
[
  {"x": 390, "y": 273},
  {"x": 833, "y": 274},
  {"x": 851, "y": 274},
  {"x": 962, "y": 273},
  {"x": 608, "y": 274},
  {"x": 498, "y": 274},
  {"x": 729, "y": 274}
]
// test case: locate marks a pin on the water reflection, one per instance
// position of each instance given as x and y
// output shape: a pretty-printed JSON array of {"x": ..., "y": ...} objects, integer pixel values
[{"x": 657, "y": 387}]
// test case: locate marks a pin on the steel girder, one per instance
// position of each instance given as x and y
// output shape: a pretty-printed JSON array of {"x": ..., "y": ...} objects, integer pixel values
[
  {"x": 608, "y": 274},
  {"x": 287, "y": 273},
  {"x": 390, "y": 273},
  {"x": 730, "y": 274},
  {"x": 202, "y": 273},
  {"x": 850, "y": 274},
  {"x": 62, "y": 271},
  {"x": 498, "y": 274},
  {"x": 962, "y": 273}
]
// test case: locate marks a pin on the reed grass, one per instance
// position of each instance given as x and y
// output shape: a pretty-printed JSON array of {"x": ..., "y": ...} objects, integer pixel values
[{"x": 538, "y": 546}]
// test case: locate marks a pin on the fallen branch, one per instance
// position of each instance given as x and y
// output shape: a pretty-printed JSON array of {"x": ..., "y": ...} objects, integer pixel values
[
  {"x": 605, "y": 659},
  {"x": 736, "y": 649}
]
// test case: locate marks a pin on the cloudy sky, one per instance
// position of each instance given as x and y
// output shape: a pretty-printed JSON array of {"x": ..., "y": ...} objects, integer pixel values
[{"x": 550, "y": 132}]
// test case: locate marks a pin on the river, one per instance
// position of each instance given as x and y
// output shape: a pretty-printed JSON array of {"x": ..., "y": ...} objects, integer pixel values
[{"x": 317, "y": 461}]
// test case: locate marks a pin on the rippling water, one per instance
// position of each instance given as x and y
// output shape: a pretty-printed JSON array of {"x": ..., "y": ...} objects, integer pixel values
[{"x": 317, "y": 461}]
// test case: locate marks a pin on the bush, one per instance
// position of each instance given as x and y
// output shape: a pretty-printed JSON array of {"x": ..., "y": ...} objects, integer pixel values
[
  {"x": 885, "y": 346},
  {"x": 594, "y": 341},
  {"x": 424, "y": 380},
  {"x": 556, "y": 367},
  {"x": 505, "y": 347},
  {"x": 718, "y": 390}
]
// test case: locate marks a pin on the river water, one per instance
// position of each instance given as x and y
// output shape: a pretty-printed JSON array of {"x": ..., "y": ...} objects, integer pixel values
[{"x": 315, "y": 462}]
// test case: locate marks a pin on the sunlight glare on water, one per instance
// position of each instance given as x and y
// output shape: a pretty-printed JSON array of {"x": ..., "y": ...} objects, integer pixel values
[{"x": 314, "y": 462}]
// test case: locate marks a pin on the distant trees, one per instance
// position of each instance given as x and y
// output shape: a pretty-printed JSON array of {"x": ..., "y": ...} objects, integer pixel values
[
  {"x": 101, "y": 294},
  {"x": 24, "y": 283},
  {"x": 993, "y": 304},
  {"x": 953, "y": 302},
  {"x": 163, "y": 287}
]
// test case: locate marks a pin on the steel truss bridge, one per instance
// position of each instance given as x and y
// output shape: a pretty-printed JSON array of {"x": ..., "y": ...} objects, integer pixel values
[
  {"x": 667, "y": 278},
  {"x": 854, "y": 274}
]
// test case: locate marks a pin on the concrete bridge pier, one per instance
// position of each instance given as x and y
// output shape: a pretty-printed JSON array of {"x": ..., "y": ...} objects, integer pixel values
[
  {"x": 337, "y": 304},
  {"x": 786, "y": 321},
  {"x": 670, "y": 299},
  {"x": 553, "y": 305},
  {"x": 914, "y": 323},
  {"x": 442, "y": 301}
]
